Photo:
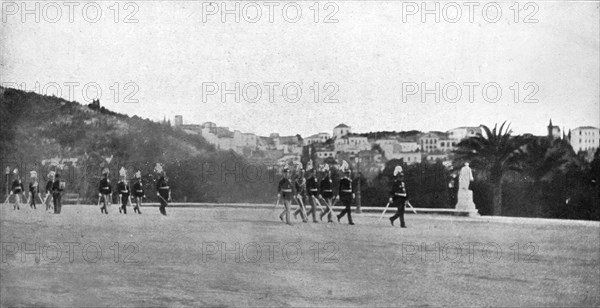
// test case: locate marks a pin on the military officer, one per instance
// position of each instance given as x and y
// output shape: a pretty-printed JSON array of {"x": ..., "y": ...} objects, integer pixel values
[
  {"x": 123, "y": 189},
  {"x": 312, "y": 189},
  {"x": 300, "y": 185},
  {"x": 105, "y": 191},
  {"x": 57, "y": 189},
  {"x": 285, "y": 190},
  {"x": 138, "y": 192},
  {"x": 346, "y": 195},
  {"x": 163, "y": 191},
  {"x": 34, "y": 189},
  {"x": 17, "y": 189},
  {"x": 47, "y": 198},
  {"x": 398, "y": 196},
  {"x": 326, "y": 193}
]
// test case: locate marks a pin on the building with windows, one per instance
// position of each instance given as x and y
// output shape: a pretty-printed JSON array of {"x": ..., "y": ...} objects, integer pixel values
[
  {"x": 585, "y": 138},
  {"x": 341, "y": 131},
  {"x": 464, "y": 132}
]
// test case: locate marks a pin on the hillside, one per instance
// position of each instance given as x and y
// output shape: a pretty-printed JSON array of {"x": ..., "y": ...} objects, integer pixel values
[{"x": 37, "y": 128}]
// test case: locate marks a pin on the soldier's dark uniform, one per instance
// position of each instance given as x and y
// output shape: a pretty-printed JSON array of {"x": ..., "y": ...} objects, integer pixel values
[
  {"x": 326, "y": 190},
  {"x": 163, "y": 190},
  {"x": 123, "y": 189},
  {"x": 300, "y": 185},
  {"x": 105, "y": 190},
  {"x": 34, "y": 190},
  {"x": 57, "y": 194},
  {"x": 138, "y": 193},
  {"x": 48, "y": 194},
  {"x": 286, "y": 190},
  {"x": 346, "y": 193},
  {"x": 398, "y": 196},
  {"x": 312, "y": 190},
  {"x": 17, "y": 190}
]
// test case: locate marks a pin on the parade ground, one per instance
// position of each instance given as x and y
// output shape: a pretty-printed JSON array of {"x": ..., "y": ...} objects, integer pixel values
[{"x": 248, "y": 257}]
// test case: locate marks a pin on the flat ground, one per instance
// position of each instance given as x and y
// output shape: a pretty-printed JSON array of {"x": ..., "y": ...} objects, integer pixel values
[{"x": 210, "y": 257}]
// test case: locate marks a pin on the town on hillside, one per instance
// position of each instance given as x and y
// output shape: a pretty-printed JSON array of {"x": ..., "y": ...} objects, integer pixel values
[{"x": 372, "y": 150}]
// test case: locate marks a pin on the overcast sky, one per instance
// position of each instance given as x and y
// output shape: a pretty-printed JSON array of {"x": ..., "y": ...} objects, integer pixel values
[{"x": 370, "y": 56}]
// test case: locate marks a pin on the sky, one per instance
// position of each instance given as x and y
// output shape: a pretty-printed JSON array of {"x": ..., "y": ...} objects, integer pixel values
[{"x": 364, "y": 63}]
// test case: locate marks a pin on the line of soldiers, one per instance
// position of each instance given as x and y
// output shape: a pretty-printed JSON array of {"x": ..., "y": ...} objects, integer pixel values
[
  {"x": 163, "y": 191},
  {"x": 54, "y": 189},
  {"x": 302, "y": 189}
]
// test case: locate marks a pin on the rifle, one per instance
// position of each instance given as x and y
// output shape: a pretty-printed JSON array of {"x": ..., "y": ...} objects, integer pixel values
[
  {"x": 412, "y": 208},
  {"x": 383, "y": 213}
]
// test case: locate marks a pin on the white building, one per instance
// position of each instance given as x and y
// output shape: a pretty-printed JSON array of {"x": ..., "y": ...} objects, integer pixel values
[
  {"x": 585, "y": 138},
  {"x": 324, "y": 153},
  {"x": 408, "y": 157},
  {"x": 463, "y": 132},
  {"x": 341, "y": 131},
  {"x": 351, "y": 144},
  {"x": 387, "y": 145},
  {"x": 407, "y": 146},
  {"x": 317, "y": 138}
]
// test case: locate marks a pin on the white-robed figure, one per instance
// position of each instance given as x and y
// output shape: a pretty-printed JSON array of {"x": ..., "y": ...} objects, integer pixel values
[
  {"x": 464, "y": 204},
  {"x": 465, "y": 177}
]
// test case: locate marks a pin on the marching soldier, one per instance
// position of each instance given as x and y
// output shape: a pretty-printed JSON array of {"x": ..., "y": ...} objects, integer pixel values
[
  {"x": 104, "y": 191},
  {"x": 346, "y": 194},
  {"x": 312, "y": 188},
  {"x": 285, "y": 189},
  {"x": 123, "y": 189},
  {"x": 17, "y": 189},
  {"x": 300, "y": 185},
  {"x": 34, "y": 189},
  {"x": 326, "y": 193},
  {"x": 163, "y": 191},
  {"x": 398, "y": 196},
  {"x": 138, "y": 192},
  {"x": 47, "y": 198},
  {"x": 57, "y": 189}
]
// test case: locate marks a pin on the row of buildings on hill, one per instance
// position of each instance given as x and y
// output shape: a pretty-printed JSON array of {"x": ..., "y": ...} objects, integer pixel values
[{"x": 376, "y": 148}]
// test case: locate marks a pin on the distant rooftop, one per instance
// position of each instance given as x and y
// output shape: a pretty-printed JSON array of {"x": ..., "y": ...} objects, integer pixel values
[{"x": 342, "y": 126}]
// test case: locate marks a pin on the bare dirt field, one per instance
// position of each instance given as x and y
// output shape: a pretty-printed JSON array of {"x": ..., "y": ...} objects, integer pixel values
[{"x": 247, "y": 257}]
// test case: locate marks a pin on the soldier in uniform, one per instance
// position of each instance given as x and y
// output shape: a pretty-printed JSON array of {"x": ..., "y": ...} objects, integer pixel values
[
  {"x": 57, "y": 190},
  {"x": 312, "y": 188},
  {"x": 398, "y": 196},
  {"x": 300, "y": 185},
  {"x": 346, "y": 195},
  {"x": 163, "y": 191},
  {"x": 104, "y": 191},
  {"x": 34, "y": 189},
  {"x": 47, "y": 198},
  {"x": 326, "y": 193},
  {"x": 285, "y": 189},
  {"x": 123, "y": 189},
  {"x": 138, "y": 192},
  {"x": 17, "y": 189}
]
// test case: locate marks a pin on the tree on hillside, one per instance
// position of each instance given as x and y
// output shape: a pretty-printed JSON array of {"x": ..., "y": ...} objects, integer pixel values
[{"x": 495, "y": 153}]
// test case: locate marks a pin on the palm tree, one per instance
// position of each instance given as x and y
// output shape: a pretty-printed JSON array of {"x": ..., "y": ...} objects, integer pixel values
[{"x": 495, "y": 153}]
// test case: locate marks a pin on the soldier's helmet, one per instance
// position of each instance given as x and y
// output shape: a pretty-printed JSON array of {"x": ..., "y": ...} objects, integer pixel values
[{"x": 398, "y": 171}]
